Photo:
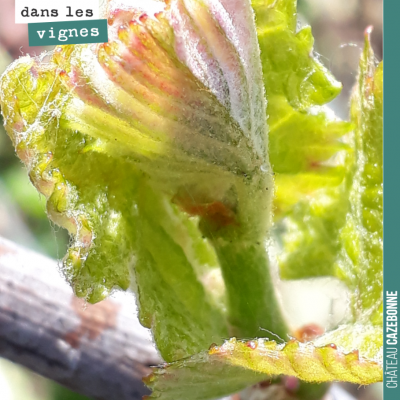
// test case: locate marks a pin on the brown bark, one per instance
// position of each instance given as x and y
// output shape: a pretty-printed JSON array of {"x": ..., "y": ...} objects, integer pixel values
[{"x": 97, "y": 350}]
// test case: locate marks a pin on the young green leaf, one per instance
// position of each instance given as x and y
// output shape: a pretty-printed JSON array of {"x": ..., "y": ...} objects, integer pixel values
[
  {"x": 172, "y": 298},
  {"x": 351, "y": 353},
  {"x": 360, "y": 262},
  {"x": 229, "y": 368},
  {"x": 303, "y": 137},
  {"x": 308, "y": 155},
  {"x": 129, "y": 139}
]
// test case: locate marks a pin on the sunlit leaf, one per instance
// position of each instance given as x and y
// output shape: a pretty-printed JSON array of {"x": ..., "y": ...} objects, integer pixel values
[
  {"x": 360, "y": 262},
  {"x": 151, "y": 150},
  {"x": 307, "y": 152},
  {"x": 352, "y": 354}
]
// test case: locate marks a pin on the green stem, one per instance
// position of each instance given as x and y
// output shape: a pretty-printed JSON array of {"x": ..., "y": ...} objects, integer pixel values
[{"x": 253, "y": 308}]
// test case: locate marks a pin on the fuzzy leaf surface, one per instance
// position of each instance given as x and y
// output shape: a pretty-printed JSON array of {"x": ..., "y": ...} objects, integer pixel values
[
  {"x": 307, "y": 153},
  {"x": 229, "y": 368},
  {"x": 360, "y": 263},
  {"x": 351, "y": 353},
  {"x": 151, "y": 150}
]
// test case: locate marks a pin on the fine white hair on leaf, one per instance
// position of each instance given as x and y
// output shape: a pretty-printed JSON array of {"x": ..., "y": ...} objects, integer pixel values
[
  {"x": 236, "y": 17},
  {"x": 221, "y": 49},
  {"x": 217, "y": 41},
  {"x": 193, "y": 51}
]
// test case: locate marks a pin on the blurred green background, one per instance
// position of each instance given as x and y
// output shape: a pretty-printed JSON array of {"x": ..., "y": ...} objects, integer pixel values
[{"x": 338, "y": 29}]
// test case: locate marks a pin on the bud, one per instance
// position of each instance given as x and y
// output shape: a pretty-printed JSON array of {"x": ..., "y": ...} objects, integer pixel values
[{"x": 175, "y": 99}]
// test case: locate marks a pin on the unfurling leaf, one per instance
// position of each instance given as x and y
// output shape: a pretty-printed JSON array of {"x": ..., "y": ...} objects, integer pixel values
[
  {"x": 303, "y": 135},
  {"x": 307, "y": 151},
  {"x": 350, "y": 353},
  {"x": 151, "y": 150}
]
